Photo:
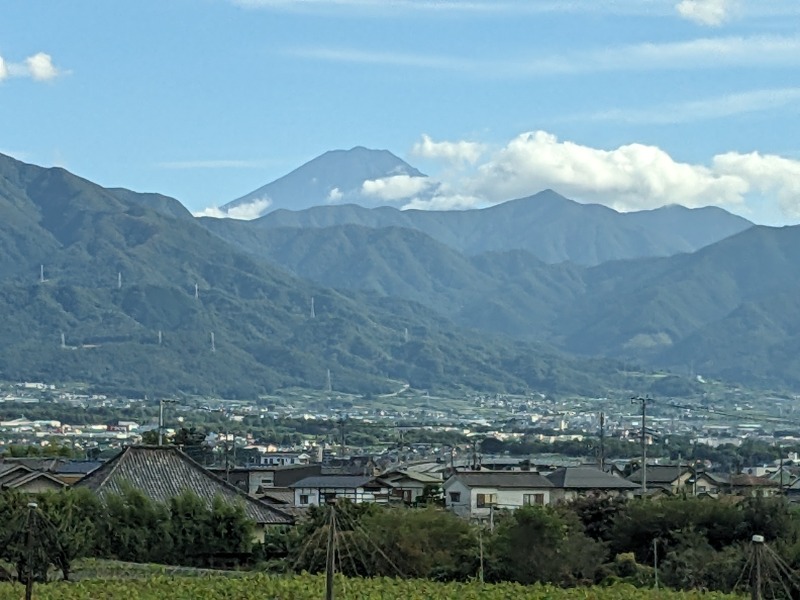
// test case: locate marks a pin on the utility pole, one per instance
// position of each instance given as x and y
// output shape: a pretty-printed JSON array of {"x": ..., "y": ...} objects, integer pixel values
[
  {"x": 655, "y": 562},
  {"x": 480, "y": 549},
  {"x": 780, "y": 468},
  {"x": 330, "y": 563},
  {"x": 32, "y": 506},
  {"x": 161, "y": 404},
  {"x": 602, "y": 441},
  {"x": 755, "y": 584},
  {"x": 643, "y": 402}
]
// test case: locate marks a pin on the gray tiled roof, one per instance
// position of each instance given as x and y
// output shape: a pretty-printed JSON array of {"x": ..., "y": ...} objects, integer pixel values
[
  {"x": 165, "y": 472},
  {"x": 78, "y": 467},
  {"x": 588, "y": 478},
  {"x": 659, "y": 474},
  {"x": 503, "y": 479}
]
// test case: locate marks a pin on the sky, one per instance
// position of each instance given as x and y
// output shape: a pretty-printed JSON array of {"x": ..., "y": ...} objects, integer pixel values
[{"x": 629, "y": 103}]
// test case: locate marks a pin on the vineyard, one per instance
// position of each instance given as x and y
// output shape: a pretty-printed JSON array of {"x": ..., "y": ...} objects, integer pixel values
[{"x": 311, "y": 587}]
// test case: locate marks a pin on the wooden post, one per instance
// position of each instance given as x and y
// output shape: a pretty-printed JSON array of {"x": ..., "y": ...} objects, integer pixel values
[
  {"x": 331, "y": 564},
  {"x": 29, "y": 552},
  {"x": 480, "y": 547}
]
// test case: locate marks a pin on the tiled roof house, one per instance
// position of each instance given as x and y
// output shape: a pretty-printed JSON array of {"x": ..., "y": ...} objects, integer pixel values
[{"x": 164, "y": 472}]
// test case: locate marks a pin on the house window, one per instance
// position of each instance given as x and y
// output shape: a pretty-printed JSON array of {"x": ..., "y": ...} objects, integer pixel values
[
  {"x": 455, "y": 496},
  {"x": 533, "y": 499},
  {"x": 486, "y": 500},
  {"x": 303, "y": 499}
]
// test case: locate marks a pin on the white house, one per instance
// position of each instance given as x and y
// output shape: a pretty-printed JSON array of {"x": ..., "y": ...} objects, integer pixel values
[
  {"x": 319, "y": 489},
  {"x": 475, "y": 494},
  {"x": 282, "y": 459}
]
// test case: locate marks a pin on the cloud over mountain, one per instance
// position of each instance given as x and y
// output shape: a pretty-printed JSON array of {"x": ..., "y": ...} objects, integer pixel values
[{"x": 633, "y": 176}]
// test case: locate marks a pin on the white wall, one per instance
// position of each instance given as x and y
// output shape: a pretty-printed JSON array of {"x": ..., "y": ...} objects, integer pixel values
[{"x": 508, "y": 499}]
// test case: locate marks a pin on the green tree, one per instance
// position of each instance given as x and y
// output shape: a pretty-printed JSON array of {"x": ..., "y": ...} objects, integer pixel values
[
  {"x": 135, "y": 529},
  {"x": 540, "y": 544},
  {"x": 71, "y": 516}
]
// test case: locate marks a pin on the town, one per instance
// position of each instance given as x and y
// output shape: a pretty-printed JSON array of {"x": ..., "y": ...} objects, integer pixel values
[{"x": 473, "y": 454}]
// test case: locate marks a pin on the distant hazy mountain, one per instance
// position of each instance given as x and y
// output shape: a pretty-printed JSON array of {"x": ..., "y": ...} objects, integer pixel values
[
  {"x": 549, "y": 226},
  {"x": 335, "y": 177}
]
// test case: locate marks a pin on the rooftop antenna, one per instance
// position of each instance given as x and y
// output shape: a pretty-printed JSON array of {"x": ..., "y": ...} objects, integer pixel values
[
  {"x": 213, "y": 344},
  {"x": 196, "y": 290},
  {"x": 313, "y": 313},
  {"x": 63, "y": 340},
  {"x": 41, "y": 274},
  {"x": 119, "y": 281}
]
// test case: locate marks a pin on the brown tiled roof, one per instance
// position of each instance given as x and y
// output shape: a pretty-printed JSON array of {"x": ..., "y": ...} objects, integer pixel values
[{"x": 164, "y": 472}]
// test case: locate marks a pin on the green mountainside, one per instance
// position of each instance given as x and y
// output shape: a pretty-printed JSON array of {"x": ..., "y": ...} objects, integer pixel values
[
  {"x": 264, "y": 336},
  {"x": 729, "y": 309}
]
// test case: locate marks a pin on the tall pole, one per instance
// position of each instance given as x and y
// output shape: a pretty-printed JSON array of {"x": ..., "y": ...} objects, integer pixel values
[
  {"x": 161, "y": 422},
  {"x": 331, "y": 565},
  {"x": 480, "y": 547},
  {"x": 755, "y": 584},
  {"x": 655, "y": 562},
  {"x": 602, "y": 441},
  {"x": 643, "y": 402},
  {"x": 29, "y": 552}
]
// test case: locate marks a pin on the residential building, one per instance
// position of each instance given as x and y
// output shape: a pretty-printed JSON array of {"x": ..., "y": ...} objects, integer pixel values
[
  {"x": 26, "y": 480},
  {"x": 317, "y": 490},
  {"x": 742, "y": 484},
  {"x": 407, "y": 486},
  {"x": 164, "y": 472},
  {"x": 477, "y": 494},
  {"x": 570, "y": 483},
  {"x": 670, "y": 478}
]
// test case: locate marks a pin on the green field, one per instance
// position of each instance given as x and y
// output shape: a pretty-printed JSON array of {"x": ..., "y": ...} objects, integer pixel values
[{"x": 312, "y": 587}]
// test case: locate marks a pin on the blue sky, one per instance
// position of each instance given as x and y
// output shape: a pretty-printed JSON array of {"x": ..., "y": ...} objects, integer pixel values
[{"x": 630, "y": 103}]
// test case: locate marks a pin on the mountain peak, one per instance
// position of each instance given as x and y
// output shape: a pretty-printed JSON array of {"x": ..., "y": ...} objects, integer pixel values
[{"x": 335, "y": 177}]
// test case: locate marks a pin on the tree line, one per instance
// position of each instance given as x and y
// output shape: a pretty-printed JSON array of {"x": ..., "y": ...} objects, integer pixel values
[{"x": 699, "y": 543}]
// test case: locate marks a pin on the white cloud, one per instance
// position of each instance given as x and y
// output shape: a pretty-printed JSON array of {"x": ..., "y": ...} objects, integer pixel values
[
  {"x": 445, "y": 201},
  {"x": 708, "y": 108},
  {"x": 631, "y": 177},
  {"x": 396, "y": 187},
  {"x": 41, "y": 68},
  {"x": 38, "y": 67},
  {"x": 454, "y": 152},
  {"x": 701, "y": 53},
  {"x": 335, "y": 195},
  {"x": 243, "y": 212},
  {"x": 705, "y": 12},
  {"x": 767, "y": 174}
]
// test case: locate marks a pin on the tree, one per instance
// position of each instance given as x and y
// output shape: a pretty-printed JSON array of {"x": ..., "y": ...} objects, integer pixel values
[
  {"x": 71, "y": 516},
  {"x": 135, "y": 529},
  {"x": 539, "y": 544}
]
